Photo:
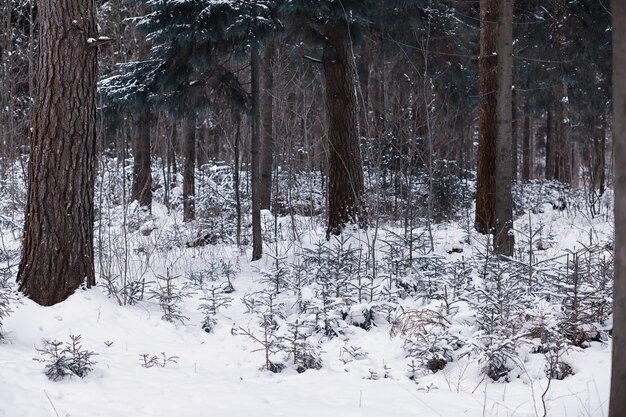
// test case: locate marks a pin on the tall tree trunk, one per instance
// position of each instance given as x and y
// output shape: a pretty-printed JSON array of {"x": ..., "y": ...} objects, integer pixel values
[
  {"x": 617, "y": 403},
  {"x": 487, "y": 128},
  {"x": 189, "y": 168},
  {"x": 514, "y": 136},
  {"x": 550, "y": 170},
  {"x": 267, "y": 127},
  {"x": 527, "y": 161},
  {"x": 142, "y": 168},
  {"x": 563, "y": 151},
  {"x": 237, "y": 179},
  {"x": 503, "y": 238},
  {"x": 599, "y": 155},
  {"x": 57, "y": 249},
  {"x": 255, "y": 148},
  {"x": 345, "y": 172}
]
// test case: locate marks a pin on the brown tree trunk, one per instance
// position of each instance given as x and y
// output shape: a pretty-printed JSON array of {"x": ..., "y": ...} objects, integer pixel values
[
  {"x": 487, "y": 128},
  {"x": 57, "y": 249},
  {"x": 503, "y": 238},
  {"x": 255, "y": 148},
  {"x": 345, "y": 172},
  {"x": 617, "y": 403},
  {"x": 142, "y": 168},
  {"x": 267, "y": 128},
  {"x": 189, "y": 180}
]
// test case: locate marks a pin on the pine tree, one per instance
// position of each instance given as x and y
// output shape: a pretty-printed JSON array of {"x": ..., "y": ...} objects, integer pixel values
[
  {"x": 336, "y": 25},
  {"x": 617, "y": 406},
  {"x": 57, "y": 252}
]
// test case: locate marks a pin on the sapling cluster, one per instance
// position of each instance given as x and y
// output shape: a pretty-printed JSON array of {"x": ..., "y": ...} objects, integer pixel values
[{"x": 66, "y": 359}]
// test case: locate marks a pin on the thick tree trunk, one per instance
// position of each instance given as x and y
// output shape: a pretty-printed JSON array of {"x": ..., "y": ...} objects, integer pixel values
[
  {"x": 142, "y": 168},
  {"x": 345, "y": 172},
  {"x": 255, "y": 148},
  {"x": 503, "y": 238},
  {"x": 267, "y": 127},
  {"x": 189, "y": 168},
  {"x": 617, "y": 404},
  {"x": 57, "y": 250},
  {"x": 487, "y": 128}
]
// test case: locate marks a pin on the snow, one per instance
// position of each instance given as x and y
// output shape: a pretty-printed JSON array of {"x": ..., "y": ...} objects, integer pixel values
[
  {"x": 364, "y": 373},
  {"x": 217, "y": 374}
]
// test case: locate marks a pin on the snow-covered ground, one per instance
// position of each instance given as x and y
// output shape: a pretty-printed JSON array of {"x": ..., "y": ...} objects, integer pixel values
[{"x": 220, "y": 373}]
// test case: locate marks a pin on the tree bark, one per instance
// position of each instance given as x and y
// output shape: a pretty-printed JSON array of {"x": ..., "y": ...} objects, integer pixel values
[
  {"x": 527, "y": 161},
  {"x": 617, "y": 403},
  {"x": 599, "y": 155},
  {"x": 57, "y": 249},
  {"x": 550, "y": 170},
  {"x": 237, "y": 179},
  {"x": 267, "y": 128},
  {"x": 503, "y": 238},
  {"x": 563, "y": 150},
  {"x": 487, "y": 128},
  {"x": 255, "y": 148},
  {"x": 189, "y": 168},
  {"x": 345, "y": 172},
  {"x": 142, "y": 167}
]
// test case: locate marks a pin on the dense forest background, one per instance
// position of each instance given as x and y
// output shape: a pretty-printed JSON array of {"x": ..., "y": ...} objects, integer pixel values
[
  {"x": 183, "y": 86},
  {"x": 295, "y": 181}
]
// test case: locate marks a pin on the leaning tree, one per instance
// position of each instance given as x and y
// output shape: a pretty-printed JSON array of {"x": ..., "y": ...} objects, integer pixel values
[{"x": 57, "y": 249}]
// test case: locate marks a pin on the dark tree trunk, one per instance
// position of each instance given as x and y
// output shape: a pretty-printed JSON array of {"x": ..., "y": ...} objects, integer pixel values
[
  {"x": 255, "y": 148},
  {"x": 57, "y": 249},
  {"x": 563, "y": 151},
  {"x": 514, "y": 136},
  {"x": 487, "y": 128},
  {"x": 189, "y": 180},
  {"x": 527, "y": 161},
  {"x": 617, "y": 403},
  {"x": 345, "y": 172},
  {"x": 599, "y": 155},
  {"x": 237, "y": 179},
  {"x": 503, "y": 238},
  {"x": 267, "y": 128},
  {"x": 550, "y": 171},
  {"x": 142, "y": 168}
]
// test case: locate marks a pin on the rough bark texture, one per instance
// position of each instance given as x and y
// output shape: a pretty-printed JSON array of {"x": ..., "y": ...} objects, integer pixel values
[
  {"x": 503, "y": 238},
  {"x": 345, "y": 172},
  {"x": 189, "y": 180},
  {"x": 617, "y": 404},
  {"x": 255, "y": 148},
  {"x": 487, "y": 128},
  {"x": 57, "y": 249},
  {"x": 142, "y": 168},
  {"x": 267, "y": 128}
]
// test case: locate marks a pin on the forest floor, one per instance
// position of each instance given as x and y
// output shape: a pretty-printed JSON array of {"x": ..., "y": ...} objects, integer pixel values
[{"x": 148, "y": 366}]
